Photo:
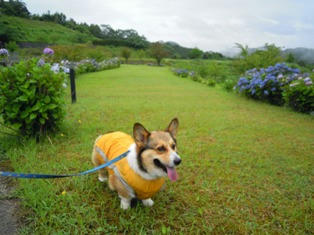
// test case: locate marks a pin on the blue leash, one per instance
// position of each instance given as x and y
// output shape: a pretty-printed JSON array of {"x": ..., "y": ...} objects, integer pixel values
[{"x": 45, "y": 176}]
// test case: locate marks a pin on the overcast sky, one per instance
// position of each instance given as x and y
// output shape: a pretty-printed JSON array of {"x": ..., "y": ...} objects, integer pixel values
[{"x": 207, "y": 24}]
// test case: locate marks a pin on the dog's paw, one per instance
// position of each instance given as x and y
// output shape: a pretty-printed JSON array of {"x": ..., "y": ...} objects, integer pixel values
[
  {"x": 125, "y": 204},
  {"x": 102, "y": 179},
  {"x": 148, "y": 202}
]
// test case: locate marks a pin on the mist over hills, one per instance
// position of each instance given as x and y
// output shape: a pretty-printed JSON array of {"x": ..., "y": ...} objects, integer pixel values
[{"x": 300, "y": 54}]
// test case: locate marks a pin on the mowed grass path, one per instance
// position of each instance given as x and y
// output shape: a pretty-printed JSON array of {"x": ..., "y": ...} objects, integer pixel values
[{"x": 247, "y": 166}]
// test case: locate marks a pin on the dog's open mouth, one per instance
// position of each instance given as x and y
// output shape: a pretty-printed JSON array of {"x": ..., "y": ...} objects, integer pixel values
[{"x": 171, "y": 171}]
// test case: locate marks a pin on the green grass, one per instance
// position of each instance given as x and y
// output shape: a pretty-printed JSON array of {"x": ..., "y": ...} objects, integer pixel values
[
  {"x": 26, "y": 30},
  {"x": 247, "y": 166}
]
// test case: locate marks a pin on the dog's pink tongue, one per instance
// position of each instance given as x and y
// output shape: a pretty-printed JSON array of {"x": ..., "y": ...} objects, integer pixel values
[{"x": 172, "y": 174}]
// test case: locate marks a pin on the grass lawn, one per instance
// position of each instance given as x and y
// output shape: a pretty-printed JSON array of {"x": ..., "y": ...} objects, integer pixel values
[{"x": 247, "y": 167}]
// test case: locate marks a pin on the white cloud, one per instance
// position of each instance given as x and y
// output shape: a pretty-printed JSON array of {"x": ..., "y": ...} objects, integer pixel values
[{"x": 208, "y": 24}]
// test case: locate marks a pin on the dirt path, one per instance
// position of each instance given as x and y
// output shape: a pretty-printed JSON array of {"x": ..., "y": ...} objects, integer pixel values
[{"x": 8, "y": 208}]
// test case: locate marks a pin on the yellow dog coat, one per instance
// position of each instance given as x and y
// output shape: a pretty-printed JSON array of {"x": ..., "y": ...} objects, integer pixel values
[{"x": 112, "y": 145}]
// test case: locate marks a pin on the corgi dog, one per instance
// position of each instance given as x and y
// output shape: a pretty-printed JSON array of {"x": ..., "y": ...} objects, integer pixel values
[{"x": 141, "y": 174}]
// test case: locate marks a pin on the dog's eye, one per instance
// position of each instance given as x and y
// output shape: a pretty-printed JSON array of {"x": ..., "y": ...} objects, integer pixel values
[
  {"x": 161, "y": 149},
  {"x": 173, "y": 146}
]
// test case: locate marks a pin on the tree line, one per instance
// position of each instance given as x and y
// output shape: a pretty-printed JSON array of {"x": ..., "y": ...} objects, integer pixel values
[{"x": 104, "y": 33}]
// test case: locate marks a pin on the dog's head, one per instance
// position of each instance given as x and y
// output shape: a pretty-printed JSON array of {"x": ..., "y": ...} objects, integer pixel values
[{"x": 157, "y": 150}]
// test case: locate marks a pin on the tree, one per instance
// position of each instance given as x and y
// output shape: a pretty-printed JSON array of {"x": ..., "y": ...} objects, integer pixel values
[
  {"x": 158, "y": 51},
  {"x": 126, "y": 53},
  {"x": 290, "y": 58},
  {"x": 195, "y": 53},
  {"x": 244, "y": 50},
  {"x": 14, "y": 8}
]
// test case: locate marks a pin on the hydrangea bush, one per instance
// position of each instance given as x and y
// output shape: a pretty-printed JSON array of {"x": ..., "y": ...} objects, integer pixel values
[
  {"x": 274, "y": 84},
  {"x": 194, "y": 76},
  {"x": 91, "y": 65},
  {"x": 32, "y": 97},
  {"x": 4, "y": 52},
  {"x": 299, "y": 95},
  {"x": 181, "y": 72}
]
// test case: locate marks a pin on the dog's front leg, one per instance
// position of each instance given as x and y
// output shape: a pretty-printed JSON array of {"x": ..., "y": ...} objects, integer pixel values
[
  {"x": 148, "y": 202},
  {"x": 125, "y": 203}
]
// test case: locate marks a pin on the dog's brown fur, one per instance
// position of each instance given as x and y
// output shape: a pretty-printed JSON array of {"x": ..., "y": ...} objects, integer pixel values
[{"x": 159, "y": 144}]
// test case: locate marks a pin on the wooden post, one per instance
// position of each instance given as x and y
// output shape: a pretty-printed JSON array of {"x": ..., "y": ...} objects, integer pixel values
[{"x": 73, "y": 89}]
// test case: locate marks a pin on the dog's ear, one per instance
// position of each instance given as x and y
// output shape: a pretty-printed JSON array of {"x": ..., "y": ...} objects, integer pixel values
[
  {"x": 173, "y": 127},
  {"x": 140, "y": 134}
]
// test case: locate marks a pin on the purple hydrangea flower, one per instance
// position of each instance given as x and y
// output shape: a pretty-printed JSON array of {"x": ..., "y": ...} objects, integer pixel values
[
  {"x": 48, "y": 51},
  {"x": 40, "y": 62},
  {"x": 4, "y": 52}
]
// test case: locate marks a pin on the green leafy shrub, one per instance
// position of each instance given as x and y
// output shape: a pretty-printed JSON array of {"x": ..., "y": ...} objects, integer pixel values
[
  {"x": 202, "y": 70},
  {"x": 229, "y": 84},
  {"x": 31, "y": 97},
  {"x": 216, "y": 71},
  {"x": 211, "y": 82},
  {"x": 126, "y": 53},
  {"x": 300, "y": 95},
  {"x": 261, "y": 58},
  {"x": 12, "y": 46}
]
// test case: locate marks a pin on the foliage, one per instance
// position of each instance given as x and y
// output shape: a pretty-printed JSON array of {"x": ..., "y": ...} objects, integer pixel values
[
  {"x": 181, "y": 72},
  {"x": 299, "y": 95},
  {"x": 260, "y": 58},
  {"x": 212, "y": 55},
  {"x": 7, "y": 32},
  {"x": 126, "y": 53},
  {"x": 27, "y": 30},
  {"x": 32, "y": 97},
  {"x": 116, "y": 43},
  {"x": 158, "y": 51},
  {"x": 216, "y": 71},
  {"x": 247, "y": 167},
  {"x": 195, "y": 53},
  {"x": 210, "y": 82},
  {"x": 12, "y": 46},
  {"x": 14, "y": 8},
  {"x": 244, "y": 50},
  {"x": 128, "y": 37},
  {"x": 80, "y": 52},
  {"x": 91, "y": 65},
  {"x": 269, "y": 85},
  {"x": 290, "y": 58},
  {"x": 176, "y": 51},
  {"x": 229, "y": 84}
]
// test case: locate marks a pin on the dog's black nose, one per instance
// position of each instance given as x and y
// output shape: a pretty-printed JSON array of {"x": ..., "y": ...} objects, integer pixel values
[{"x": 177, "y": 161}]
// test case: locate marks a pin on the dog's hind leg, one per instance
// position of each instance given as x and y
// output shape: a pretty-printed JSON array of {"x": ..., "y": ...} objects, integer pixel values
[{"x": 98, "y": 160}]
